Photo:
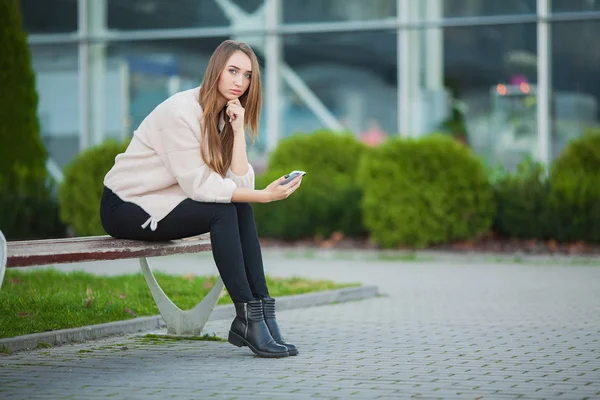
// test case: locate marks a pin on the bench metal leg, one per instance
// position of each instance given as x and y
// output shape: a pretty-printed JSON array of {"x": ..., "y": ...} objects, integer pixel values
[
  {"x": 180, "y": 322},
  {"x": 3, "y": 257}
]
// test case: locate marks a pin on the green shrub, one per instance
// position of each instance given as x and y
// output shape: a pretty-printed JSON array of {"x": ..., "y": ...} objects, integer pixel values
[
  {"x": 424, "y": 191},
  {"x": 319, "y": 207},
  {"x": 81, "y": 190},
  {"x": 522, "y": 203},
  {"x": 30, "y": 215},
  {"x": 322, "y": 150},
  {"x": 575, "y": 190},
  {"x": 26, "y": 208},
  {"x": 329, "y": 198}
]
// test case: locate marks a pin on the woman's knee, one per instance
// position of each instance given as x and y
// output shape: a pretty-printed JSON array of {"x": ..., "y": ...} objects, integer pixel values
[
  {"x": 225, "y": 212},
  {"x": 243, "y": 208}
]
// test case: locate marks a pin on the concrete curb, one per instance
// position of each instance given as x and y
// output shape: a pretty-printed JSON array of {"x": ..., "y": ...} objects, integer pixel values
[{"x": 147, "y": 324}]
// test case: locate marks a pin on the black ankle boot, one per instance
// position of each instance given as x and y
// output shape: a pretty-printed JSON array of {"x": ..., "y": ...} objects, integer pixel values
[
  {"x": 249, "y": 329},
  {"x": 269, "y": 313}
]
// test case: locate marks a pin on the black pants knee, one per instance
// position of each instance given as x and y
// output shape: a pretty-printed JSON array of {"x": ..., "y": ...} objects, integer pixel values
[{"x": 235, "y": 245}]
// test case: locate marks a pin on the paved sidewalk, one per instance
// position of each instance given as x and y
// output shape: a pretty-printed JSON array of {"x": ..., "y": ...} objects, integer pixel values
[{"x": 464, "y": 331}]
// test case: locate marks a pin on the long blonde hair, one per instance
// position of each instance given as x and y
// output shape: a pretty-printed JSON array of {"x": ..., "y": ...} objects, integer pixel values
[{"x": 220, "y": 147}]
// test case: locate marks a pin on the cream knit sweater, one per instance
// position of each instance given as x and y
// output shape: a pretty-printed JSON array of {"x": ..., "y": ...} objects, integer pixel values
[{"x": 162, "y": 165}]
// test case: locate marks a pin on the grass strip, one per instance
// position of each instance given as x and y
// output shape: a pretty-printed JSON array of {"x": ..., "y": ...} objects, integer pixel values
[{"x": 47, "y": 299}]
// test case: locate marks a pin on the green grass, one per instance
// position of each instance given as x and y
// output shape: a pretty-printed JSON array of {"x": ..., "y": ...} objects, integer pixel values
[{"x": 47, "y": 299}]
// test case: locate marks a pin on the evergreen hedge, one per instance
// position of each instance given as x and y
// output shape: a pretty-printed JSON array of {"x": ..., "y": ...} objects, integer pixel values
[{"x": 26, "y": 208}]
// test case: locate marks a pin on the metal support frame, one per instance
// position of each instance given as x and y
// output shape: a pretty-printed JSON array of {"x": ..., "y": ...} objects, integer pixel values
[
  {"x": 181, "y": 322},
  {"x": 402, "y": 23},
  {"x": 54, "y": 170},
  {"x": 241, "y": 20},
  {"x": 3, "y": 257},
  {"x": 310, "y": 98},
  {"x": 544, "y": 86},
  {"x": 383, "y": 24}
]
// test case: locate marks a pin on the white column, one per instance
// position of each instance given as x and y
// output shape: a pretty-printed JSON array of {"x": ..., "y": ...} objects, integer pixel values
[
  {"x": 434, "y": 100},
  {"x": 434, "y": 47},
  {"x": 126, "y": 131},
  {"x": 97, "y": 20},
  {"x": 84, "y": 106},
  {"x": 544, "y": 81},
  {"x": 416, "y": 82},
  {"x": 273, "y": 81},
  {"x": 403, "y": 69}
]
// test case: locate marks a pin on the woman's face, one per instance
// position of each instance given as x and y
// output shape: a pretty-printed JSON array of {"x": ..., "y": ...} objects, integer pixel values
[{"x": 235, "y": 77}]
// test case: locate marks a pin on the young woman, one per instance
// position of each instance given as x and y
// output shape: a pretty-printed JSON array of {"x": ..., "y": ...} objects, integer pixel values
[{"x": 186, "y": 172}]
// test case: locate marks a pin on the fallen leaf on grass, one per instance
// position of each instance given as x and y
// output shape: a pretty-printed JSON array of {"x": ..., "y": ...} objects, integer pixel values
[
  {"x": 14, "y": 281},
  {"x": 122, "y": 295},
  {"x": 90, "y": 296},
  {"x": 189, "y": 277},
  {"x": 129, "y": 311},
  {"x": 207, "y": 285},
  {"x": 24, "y": 314}
]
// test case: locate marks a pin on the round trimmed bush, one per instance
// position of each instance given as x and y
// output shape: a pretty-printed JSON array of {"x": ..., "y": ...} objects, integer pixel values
[
  {"x": 321, "y": 151},
  {"x": 81, "y": 190},
  {"x": 319, "y": 207},
  {"x": 418, "y": 192},
  {"x": 575, "y": 190},
  {"x": 522, "y": 203},
  {"x": 329, "y": 198}
]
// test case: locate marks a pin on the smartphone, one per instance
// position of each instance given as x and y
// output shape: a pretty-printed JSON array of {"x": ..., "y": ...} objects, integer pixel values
[{"x": 290, "y": 177}]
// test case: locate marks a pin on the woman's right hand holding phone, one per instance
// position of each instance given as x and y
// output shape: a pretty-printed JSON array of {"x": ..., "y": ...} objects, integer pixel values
[{"x": 276, "y": 191}]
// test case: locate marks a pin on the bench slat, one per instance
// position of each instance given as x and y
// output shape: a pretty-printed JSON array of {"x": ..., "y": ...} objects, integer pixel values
[{"x": 95, "y": 248}]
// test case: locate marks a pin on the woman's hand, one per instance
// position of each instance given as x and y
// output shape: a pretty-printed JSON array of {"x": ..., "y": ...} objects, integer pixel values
[
  {"x": 275, "y": 191},
  {"x": 235, "y": 112}
]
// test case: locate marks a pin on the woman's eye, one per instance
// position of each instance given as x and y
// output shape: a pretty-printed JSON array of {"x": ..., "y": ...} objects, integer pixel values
[
  {"x": 233, "y": 71},
  {"x": 248, "y": 76}
]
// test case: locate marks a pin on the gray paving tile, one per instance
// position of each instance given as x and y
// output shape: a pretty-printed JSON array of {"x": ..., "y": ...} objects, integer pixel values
[{"x": 440, "y": 331}]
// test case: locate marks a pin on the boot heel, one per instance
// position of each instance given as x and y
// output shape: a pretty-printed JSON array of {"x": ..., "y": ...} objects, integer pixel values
[{"x": 235, "y": 339}]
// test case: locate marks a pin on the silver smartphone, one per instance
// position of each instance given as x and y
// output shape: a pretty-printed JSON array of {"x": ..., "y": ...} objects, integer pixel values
[{"x": 290, "y": 177}]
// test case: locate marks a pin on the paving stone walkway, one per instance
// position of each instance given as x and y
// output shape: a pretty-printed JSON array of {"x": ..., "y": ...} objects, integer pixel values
[{"x": 439, "y": 331}]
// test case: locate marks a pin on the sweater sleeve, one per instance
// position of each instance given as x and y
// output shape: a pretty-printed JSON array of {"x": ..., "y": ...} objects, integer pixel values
[
  {"x": 246, "y": 181},
  {"x": 179, "y": 150}
]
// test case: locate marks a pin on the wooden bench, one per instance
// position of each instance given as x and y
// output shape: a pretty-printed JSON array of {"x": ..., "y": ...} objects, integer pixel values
[{"x": 15, "y": 254}]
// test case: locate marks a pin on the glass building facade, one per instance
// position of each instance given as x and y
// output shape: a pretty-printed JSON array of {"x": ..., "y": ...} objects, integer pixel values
[{"x": 514, "y": 77}]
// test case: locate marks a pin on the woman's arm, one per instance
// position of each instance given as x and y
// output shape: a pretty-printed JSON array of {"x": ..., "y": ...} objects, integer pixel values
[
  {"x": 239, "y": 159},
  {"x": 245, "y": 195},
  {"x": 275, "y": 191}
]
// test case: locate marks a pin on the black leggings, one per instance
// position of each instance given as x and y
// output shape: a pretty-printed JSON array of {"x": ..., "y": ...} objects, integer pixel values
[{"x": 235, "y": 245}]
